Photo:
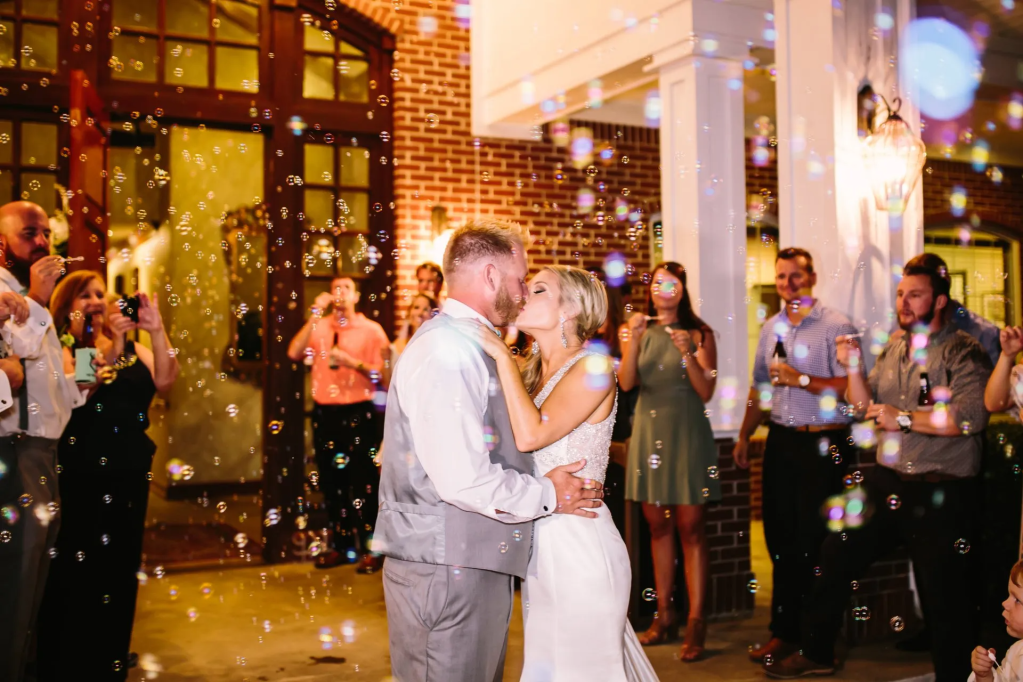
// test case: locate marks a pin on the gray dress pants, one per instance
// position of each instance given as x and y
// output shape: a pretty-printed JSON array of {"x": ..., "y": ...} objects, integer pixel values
[
  {"x": 28, "y": 467},
  {"x": 446, "y": 623}
]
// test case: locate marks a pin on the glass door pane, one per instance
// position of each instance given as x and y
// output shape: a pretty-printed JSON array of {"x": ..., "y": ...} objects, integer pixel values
[{"x": 170, "y": 238}]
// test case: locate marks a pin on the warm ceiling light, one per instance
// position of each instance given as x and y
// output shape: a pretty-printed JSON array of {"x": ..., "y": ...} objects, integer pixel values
[{"x": 893, "y": 157}]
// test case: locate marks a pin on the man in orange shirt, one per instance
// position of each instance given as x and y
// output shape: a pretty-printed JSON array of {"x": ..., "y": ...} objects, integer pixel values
[{"x": 346, "y": 352}]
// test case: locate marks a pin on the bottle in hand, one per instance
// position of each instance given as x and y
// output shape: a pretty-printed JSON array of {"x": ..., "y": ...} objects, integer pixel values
[
  {"x": 925, "y": 402},
  {"x": 332, "y": 358},
  {"x": 779, "y": 352}
]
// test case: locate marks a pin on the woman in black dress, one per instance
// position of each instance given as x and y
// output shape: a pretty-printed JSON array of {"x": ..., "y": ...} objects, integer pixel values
[{"x": 105, "y": 456}]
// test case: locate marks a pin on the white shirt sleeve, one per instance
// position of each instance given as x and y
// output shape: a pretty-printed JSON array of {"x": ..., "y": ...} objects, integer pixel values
[
  {"x": 444, "y": 396},
  {"x": 27, "y": 339},
  {"x": 79, "y": 396},
  {"x": 6, "y": 397}
]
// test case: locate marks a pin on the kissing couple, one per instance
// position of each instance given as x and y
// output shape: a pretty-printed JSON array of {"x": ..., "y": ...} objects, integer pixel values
[{"x": 493, "y": 473}]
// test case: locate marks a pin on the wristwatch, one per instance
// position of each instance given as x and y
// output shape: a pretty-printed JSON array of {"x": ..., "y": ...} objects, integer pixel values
[
  {"x": 905, "y": 421},
  {"x": 804, "y": 380}
]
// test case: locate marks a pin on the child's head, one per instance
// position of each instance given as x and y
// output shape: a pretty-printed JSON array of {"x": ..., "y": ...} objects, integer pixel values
[{"x": 1012, "y": 607}]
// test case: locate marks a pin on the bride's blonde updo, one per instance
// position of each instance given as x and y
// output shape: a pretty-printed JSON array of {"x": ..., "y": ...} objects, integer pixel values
[{"x": 589, "y": 297}]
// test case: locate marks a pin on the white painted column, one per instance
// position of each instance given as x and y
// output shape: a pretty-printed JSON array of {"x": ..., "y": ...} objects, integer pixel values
[
  {"x": 825, "y": 54},
  {"x": 703, "y": 203}
]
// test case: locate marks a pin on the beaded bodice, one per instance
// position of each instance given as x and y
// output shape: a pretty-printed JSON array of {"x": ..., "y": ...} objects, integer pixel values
[{"x": 591, "y": 442}]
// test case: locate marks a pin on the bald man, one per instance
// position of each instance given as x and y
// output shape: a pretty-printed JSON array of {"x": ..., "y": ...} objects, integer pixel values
[{"x": 31, "y": 426}]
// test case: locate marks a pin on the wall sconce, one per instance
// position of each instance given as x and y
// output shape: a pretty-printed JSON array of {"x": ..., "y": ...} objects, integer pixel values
[
  {"x": 893, "y": 157},
  {"x": 440, "y": 232}
]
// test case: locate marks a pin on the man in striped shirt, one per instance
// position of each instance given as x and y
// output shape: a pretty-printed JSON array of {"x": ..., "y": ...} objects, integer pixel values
[{"x": 798, "y": 380}]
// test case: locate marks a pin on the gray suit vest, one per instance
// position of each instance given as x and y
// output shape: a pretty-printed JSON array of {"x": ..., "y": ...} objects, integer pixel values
[{"x": 414, "y": 524}]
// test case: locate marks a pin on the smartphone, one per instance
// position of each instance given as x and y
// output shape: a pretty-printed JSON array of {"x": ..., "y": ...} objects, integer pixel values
[
  {"x": 85, "y": 368},
  {"x": 130, "y": 307}
]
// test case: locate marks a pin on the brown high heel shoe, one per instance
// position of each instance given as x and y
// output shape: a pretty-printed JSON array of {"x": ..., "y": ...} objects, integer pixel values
[
  {"x": 693, "y": 646},
  {"x": 663, "y": 629}
]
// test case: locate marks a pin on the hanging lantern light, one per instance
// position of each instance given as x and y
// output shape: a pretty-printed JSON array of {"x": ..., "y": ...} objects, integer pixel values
[{"x": 893, "y": 157}]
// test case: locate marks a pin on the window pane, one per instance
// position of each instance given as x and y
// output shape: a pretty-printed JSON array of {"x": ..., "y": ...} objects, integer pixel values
[
  {"x": 7, "y": 59},
  {"x": 135, "y": 14},
  {"x": 319, "y": 208},
  {"x": 239, "y": 21},
  {"x": 349, "y": 49},
  {"x": 354, "y": 167},
  {"x": 187, "y": 64},
  {"x": 320, "y": 254},
  {"x": 43, "y": 41},
  {"x": 237, "y": 69},
  {"x": 6, "y": 189},
  {"x": 39, "y": 188},
  {"x": 188, "y": 17},
  {"x": 40, "y": 8},
  {"x": 6, "y": 6},
  {"x": 38, "y": 144},
  {"x": 318, "y": 81},
  {"x": 354, "y": 249},
  {"x": 357, "y": 217},
  {"x": 354, "y": 81},
  {"x": 134, "y": 58},
  {"x": 6, "y": 143},
  {"x": 318, "y": 40},
  {"x": 319, "y": 164}
]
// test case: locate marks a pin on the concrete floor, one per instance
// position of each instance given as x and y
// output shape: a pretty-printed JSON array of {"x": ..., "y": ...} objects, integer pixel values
[{"x": 293, "y": 623}]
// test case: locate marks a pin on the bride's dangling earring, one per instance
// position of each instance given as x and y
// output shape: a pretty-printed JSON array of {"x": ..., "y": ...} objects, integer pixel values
[
  {"x": 536, "y": 348},
  {"x": 564, "y": 339}
]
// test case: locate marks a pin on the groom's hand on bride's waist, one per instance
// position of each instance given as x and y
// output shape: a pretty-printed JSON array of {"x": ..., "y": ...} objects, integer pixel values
[{"x": 575, "y": 495}]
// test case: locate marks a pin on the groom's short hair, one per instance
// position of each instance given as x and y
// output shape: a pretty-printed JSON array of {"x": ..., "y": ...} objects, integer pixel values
[{"x": 481, "y": 238}]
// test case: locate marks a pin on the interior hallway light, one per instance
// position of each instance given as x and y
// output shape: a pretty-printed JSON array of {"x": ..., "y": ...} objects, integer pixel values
[{"x": 894, "y": 158}]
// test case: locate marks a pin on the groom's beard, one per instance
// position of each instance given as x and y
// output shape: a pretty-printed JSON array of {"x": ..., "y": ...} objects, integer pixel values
[{"x": 506, "y": 308}]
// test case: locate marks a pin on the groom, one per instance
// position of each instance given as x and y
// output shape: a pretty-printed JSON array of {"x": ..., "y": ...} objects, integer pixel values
[{"x": 456, "y": 498}]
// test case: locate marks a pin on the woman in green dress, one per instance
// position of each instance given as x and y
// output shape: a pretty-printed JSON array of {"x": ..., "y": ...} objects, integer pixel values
[{"x": 670, "y": 354}]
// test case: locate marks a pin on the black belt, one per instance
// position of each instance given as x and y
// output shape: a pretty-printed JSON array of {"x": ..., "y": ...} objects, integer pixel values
[
  {"x": 932, "y": 477},
  {"x": 813, "y": 428}
]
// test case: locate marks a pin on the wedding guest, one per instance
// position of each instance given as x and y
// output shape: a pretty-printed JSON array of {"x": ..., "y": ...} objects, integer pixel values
[
  {"x": 672, "y": 456},
  {"x": 984, "y": 661},
  {"x": 105, "y": 459},
  {"x": 1005, "y": 386},
  {"x": 430, "y": 279},
  {"x": 29, "y": 430},
  {"x": 347, "y": 352},
  {"x": 422, "y": 307},
  {"x": 608, "y": 341},
  {"x": 796, "y": 364},
  {"x": 987, "y": 335},
  {"x": 926, "y": 454}
]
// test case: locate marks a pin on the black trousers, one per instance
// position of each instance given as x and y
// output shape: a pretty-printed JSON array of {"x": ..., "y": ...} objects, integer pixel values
[
  {"x": 800, "y": 473},
  {"x": 93, "y": 577},
  {"x": 937, "y": 523},
  {"x": 346, "y": 438}
]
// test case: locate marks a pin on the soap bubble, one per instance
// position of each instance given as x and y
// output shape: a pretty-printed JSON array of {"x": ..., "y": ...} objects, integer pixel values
[
  {"x": 649, "y": 594},
  {"x": 939, "y": 67}
]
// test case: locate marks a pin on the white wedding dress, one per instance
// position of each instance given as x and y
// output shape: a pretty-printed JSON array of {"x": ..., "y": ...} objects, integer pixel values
[{"x": 576, "y": 594}]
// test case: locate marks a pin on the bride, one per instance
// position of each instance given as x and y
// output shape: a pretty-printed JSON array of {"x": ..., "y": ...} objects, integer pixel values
[{"x": 562, "y": 408}]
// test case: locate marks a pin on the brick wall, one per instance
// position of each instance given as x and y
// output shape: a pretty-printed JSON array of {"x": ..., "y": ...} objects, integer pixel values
[
  {"x": 994, "y": 203},
  {"x": 728, "y": 537},
  {"x": 437, "y": 161}
]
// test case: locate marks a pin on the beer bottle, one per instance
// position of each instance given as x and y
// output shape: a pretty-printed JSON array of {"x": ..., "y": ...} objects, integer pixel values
[
  {"x": 924, "y": 401},
  {"x": 779, "y": 352},
  {"x": 332, "y": 358}
]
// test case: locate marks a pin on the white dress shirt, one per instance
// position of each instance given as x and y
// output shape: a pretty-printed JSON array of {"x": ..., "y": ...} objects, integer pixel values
[
  {"x": 51, "y": 394},
  {"x": 444, "y": 390}
]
